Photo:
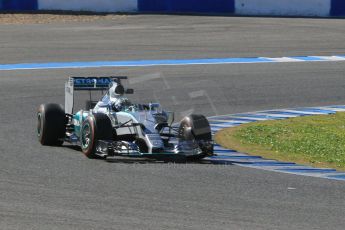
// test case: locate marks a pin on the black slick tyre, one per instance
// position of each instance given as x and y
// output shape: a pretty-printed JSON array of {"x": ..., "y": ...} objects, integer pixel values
[
  {"x": 95, "y": 127},
  {"x": 51, "y": 124},
  {"x": 196, "y": 127}
]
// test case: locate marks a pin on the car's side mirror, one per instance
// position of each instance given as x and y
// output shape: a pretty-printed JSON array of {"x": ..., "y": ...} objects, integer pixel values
[{"x": 129, "y": 91}]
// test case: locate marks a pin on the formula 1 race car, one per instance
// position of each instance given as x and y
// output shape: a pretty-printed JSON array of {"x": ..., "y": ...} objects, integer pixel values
[{"x": 114, "y": 126}]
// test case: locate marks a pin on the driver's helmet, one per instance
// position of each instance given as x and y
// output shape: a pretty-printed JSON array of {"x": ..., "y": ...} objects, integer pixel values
[
  {"x": 116, "y": 90},
  {"x": 121, "y": 104}
]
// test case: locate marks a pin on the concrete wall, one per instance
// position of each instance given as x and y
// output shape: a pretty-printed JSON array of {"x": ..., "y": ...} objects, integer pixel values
[
  {"x": 89, "y": 5},
  {"x": 283, "y": 7}
]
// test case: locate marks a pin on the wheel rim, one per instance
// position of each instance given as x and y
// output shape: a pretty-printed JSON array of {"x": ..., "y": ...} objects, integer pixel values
[
  {"x": 86, "y": 136},
  {"x": 39, "y": 124},
  {"x": 183, "y": 134}
]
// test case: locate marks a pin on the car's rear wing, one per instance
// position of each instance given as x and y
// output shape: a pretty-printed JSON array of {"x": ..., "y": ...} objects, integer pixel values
[{"x": 87, "y": 84}]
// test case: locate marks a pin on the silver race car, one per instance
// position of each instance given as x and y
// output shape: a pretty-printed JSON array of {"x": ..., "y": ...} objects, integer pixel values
[{"x": 114, "y": 126}]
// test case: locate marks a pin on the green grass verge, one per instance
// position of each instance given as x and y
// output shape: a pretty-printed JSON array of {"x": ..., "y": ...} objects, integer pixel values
[{"x": 313, "y": 140}]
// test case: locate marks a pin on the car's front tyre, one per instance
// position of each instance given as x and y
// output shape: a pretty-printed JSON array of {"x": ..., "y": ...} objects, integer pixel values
[
  {"x": 96, "y": 127},
  {"x": 197, "y": 128}
]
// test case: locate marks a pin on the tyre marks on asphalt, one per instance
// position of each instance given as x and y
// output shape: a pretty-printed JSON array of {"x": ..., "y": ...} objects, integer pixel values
[{"x": 227, "y": 156}]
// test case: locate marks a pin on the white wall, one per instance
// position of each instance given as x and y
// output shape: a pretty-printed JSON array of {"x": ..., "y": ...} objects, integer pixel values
[
  {"x": 283, "y": 7},
  {"x": 89, "y": 5}
]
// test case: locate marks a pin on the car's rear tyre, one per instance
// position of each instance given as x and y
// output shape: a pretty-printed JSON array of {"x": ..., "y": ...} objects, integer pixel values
[
  {"x": 197, "y": 128},
  {"x": 51, "y": 124},
  {"x": 96, "y": 127}
]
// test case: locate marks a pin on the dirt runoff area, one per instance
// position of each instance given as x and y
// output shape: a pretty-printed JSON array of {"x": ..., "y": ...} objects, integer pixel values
[{"x": 44, "y": 18}]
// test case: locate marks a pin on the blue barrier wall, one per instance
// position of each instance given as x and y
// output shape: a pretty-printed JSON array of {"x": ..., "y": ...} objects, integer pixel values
[
  {"x": 338, "y": 8},
  {"x": 191, "y": 6},
  {"x": 331, "y": 7},
  {"x": 19, "y": 5}
]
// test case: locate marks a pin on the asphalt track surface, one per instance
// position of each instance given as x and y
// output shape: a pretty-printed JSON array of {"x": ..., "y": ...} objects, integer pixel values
[{"x": 59, "y": 188}]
